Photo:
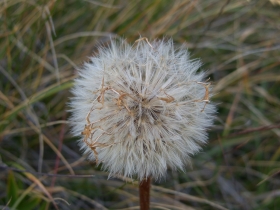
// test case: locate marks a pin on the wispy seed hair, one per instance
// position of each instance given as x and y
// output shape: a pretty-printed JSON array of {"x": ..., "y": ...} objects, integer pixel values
[{"x": 141, "y": 109}]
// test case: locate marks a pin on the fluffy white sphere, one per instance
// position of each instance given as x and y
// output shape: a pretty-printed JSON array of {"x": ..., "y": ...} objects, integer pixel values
[{"x": 140, "y": 109}]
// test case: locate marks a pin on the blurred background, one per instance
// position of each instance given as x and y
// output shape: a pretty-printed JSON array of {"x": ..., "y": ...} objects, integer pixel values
[{"x": 43, "y": 42}]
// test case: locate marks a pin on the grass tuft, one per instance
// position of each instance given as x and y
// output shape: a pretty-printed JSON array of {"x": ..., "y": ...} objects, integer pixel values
[{"x": 42, "y": 43}]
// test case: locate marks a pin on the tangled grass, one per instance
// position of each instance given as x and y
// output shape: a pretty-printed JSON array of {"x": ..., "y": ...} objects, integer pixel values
[{"x": 43, "y": 42}]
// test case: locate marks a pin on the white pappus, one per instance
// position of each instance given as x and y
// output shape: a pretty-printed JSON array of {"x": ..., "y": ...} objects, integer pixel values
[{"x": 141, "y": 108}]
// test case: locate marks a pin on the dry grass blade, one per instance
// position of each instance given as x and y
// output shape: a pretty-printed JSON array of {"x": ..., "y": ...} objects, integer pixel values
[
  {"x": 42, "y": 187},
  {"x": 188, "y": 197}
]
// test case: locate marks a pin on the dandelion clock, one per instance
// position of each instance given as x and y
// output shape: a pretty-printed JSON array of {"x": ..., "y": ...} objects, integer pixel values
[{"x": 141, "y": 109}]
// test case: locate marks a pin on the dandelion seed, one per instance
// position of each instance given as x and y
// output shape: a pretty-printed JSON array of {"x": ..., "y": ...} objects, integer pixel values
[{"x": 141, "y": 109}]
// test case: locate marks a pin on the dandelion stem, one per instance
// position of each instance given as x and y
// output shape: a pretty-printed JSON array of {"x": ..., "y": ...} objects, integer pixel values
[{"x": 144, "y": 193}]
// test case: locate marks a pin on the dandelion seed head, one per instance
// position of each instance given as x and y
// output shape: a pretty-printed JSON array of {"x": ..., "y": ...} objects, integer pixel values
[{"x": 141, "y": 109}]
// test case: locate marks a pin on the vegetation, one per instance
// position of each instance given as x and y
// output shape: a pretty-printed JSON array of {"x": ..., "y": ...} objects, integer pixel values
[{"x": 42, "y": 43}]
